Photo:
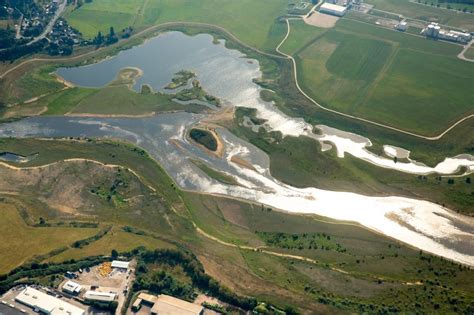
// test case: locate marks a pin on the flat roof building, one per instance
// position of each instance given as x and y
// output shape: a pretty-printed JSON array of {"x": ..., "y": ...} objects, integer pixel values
[
  {"x": 168, "y": 305},
  {"x": 333, "y": 9},
  {"x": 46, "y": 303},
  {"x": 120, "y": 264},
  {"x": 72, "y": 287},
  {"x": 97, "y": 296}
]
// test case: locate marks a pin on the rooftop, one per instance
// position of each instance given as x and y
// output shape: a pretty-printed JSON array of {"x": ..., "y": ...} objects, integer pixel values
[
  {"x": 168, "y": 305},
  {"x": 47, "y": 303},
  {"x": 71, "y": 286},
  {"x": 333, "y": 7},
  {"x": 99, "y": 296},
  {"x": 120, "y": 264}
]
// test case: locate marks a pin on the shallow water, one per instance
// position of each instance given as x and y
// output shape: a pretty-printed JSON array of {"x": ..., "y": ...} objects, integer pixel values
[{"x": 228, "y": 75}]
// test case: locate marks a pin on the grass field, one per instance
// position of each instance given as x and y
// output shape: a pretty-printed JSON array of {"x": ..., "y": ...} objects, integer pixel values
[
  {"x": 251, "y": 21},
  {"x": 426, "y": 13},
  {"x": 383, "y": 75},
  {"x": 22, "y": 242}
]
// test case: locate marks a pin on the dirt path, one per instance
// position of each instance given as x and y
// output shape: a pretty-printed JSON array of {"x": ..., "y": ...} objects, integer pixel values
[
  {"x": 295, "y": 73},
  {"x": 461, "y": 54}
]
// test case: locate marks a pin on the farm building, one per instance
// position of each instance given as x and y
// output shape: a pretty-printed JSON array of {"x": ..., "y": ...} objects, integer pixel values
[
  {"x": 433, "y": 30},
  {"x": 333, "y": 9},
  {"x": 72, "y": 287},
  {"x": 47, "y": 304},
  {"x": 120, "y": 264}
]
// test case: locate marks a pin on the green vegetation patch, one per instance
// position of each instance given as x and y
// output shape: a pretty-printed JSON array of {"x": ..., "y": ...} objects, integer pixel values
[
  {"x": 251, "y": 21},
  {"x": 24, "y": 242},
  {"x": 204, "y": 137},
  {"x": 311, "y": 241},
  {"x": 357, "y": 58},
  {"x": 383, "y": 75},
  {"x": 217, "y": 175},
  {"x": 181, "y": 78}
]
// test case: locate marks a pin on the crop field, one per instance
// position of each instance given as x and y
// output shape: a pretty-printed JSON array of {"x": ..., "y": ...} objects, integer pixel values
[
  {"x": 250, "y": 21},
  {"x": 24, "y": 242},
  {"x": 382, "y": 75},
  {"x": 426, "y": 13}
]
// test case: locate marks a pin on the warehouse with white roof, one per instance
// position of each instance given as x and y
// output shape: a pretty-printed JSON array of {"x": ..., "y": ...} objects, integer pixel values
[
  {"x": 333, "y": 9},
  {"x": 46, "y": 303},
  {"x": 120, "y": 264}
]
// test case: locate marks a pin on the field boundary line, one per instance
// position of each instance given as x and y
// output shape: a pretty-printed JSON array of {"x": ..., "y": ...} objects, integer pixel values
[{"x": 295, "y": 74}]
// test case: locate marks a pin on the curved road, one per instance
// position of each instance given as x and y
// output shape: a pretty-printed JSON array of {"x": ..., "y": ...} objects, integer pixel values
[{"x": 281, "y": 55}]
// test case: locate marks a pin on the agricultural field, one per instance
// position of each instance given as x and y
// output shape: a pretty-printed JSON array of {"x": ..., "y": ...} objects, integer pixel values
[
  {"x": 382, "y": 75},
  {"x": 250, "y": 21},
  {"x": 24, "y": 241},
  {"x": 410, "y": 9}
]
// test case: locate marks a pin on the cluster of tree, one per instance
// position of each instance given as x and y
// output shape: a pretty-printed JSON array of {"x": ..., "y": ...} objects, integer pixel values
[
  {"x": 79, "y": 3},
  {"x": 25, "y": 7},
  {"x": 19, "y": 51},
  {"x": 108, "y": 39},
  {"x": 162, "y": 282},
  {"x": 193, "y": 268},
  {"x": 7, "y": 37},
  {"x": 457, "y": 1},
  {"x": 96, "y": 237}
]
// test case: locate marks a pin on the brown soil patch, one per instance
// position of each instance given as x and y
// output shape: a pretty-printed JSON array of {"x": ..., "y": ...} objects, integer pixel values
[{"x": 321, "y": 20}]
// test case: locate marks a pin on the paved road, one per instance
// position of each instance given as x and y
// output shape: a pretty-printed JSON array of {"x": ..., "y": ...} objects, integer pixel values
[{"x": 50, "y": 25}]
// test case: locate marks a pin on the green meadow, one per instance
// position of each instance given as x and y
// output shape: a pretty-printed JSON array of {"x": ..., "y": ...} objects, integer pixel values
[
  {"x": 382, "y": 75},
  {"x": 251, "y": 21}
]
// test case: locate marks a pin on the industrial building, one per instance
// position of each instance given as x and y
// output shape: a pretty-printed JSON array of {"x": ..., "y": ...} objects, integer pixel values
[
  {"x": 167, "y": 305},
  {"x": 120, "y": 264},
  {"x": 433, "y": 30},
  {"x": 46, "y": 304},
  {"x": 72, "y": 287},
  {"x": 333, "y": 9},
  {"x": 402, "y": 26},
  {"x": 100, "y": 297}
]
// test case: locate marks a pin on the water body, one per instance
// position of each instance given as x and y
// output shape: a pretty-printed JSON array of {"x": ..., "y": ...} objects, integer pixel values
[
  {"x": 227, "y": 74},
  {"x": 17, "y": 158}
]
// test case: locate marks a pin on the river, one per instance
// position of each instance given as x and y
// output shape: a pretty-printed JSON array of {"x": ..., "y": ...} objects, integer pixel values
[{"x": 228, "y": 75}]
